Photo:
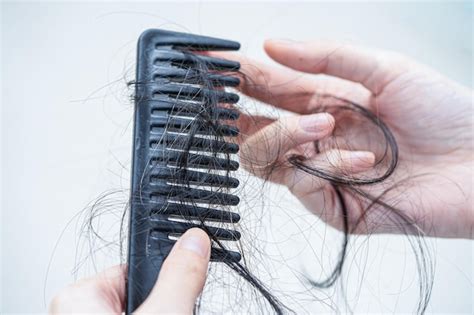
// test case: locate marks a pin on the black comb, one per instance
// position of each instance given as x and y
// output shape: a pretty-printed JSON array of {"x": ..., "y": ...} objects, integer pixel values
[{"x": 177, "y": 123}]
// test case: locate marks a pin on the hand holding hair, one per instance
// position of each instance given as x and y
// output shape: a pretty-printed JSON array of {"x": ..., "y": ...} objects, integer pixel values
[
  {"x": 184, "y": 271},
  {"x": 430, "y": 117}
]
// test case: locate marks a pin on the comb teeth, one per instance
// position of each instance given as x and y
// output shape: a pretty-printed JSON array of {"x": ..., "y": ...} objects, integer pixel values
[
  {"x": 178, "y": 228},
  {"x": 188, "y": 109},
  {"x": 171, "y": 140},
  {"x": 182, "y": 176},
  {"x": 193, "y": 212},
  {"x": 186, "y": 194},
  {"x": 160, "y": 242},
  {"x": 191, "y": 76},
  {"x": 187, "y": 41},
  {"x": 181, "y": 59},
  {"x": 177, "y": 85},
  {"x": 172, "y": 157},
  {"x": 193, "y": 93},
  {"x": 200, "y": 126}
]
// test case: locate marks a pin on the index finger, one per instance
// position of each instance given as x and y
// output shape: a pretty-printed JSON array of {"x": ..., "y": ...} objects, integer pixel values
[
  {"x": 372, "y": 68},
  {"x": 289, "y": 89}
]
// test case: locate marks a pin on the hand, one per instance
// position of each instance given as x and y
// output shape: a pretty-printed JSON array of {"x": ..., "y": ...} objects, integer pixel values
[
  {"x": 180, "y": 282},
  {"x": 430, "y": 116}
]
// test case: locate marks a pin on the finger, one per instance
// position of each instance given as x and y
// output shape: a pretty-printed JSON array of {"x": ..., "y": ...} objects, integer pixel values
[
  {"x": 291, "y": 90},
  {"x": 267, "y": 146},
  {"x": 342, "y": 162},
  {"x": 182, "y": 276},
  {"x": 103, "y": 293},
  {"x": 373, "y": 69},
  {"x": 335, "y": 162},
  {"x": 315, "y": 193},
  {"x": 250, "y": 124}
]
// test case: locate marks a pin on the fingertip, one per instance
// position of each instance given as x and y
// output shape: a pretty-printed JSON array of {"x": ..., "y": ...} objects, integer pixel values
[
  {"x": 275, "y": 47},
  {"x": 268, "y": 47},
  {"x": 268, "y": 43},
  {"x": 196, "y": 241},
  {"x": 331, "y": 120},
  {"x": 182, "y": 276}
]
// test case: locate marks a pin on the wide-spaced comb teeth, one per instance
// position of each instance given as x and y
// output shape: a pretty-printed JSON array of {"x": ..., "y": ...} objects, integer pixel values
[
  {"x": 177, "y": 228},
  {"x": 193, "y": 212},
  {"x": 180, "y": 59},
  {"x": 160, "y": 242},
  {"x": 201, "y": 127},
  {"x": 180, "y": 106},
  {"x": 189, "y": 92},
  {"x": 172, "y": 140},
  {"x": 181, "y": 176},
  {"x": 186, "y": 41},
  {"x": 171, "y": 158},
  {"x": 193, "y": 110},
  {"x": 191, "y": 76},
  {"x": 176, "y": 193},
  {"x": 218, "y": 254}
]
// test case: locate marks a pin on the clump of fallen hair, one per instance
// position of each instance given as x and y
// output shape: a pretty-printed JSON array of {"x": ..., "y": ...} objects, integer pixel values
[{"x": 357, "y": 128}]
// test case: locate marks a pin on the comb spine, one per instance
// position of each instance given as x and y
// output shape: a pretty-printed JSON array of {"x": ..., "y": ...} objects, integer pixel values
[{"x": 141, "y": 278}]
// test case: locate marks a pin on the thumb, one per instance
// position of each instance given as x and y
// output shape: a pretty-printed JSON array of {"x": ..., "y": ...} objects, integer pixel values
[{"x": 182, "y": 276}]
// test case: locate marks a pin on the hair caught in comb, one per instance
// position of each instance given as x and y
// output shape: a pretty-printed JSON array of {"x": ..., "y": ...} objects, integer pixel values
[{"x": 182, "y": 156}]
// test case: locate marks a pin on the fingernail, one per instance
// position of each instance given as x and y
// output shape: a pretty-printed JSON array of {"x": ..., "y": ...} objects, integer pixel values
[
  {"x": 316, "y": 123},
  {"x": 197, "y": 244}
]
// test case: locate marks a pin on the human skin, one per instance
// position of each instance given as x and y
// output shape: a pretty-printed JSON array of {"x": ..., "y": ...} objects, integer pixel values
[
  {"x": 430, "y": 116},
  {"x": 180, "y": 282}
]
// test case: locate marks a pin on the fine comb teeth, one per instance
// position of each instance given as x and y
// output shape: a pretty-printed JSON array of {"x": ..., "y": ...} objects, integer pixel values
[{"x": 174, "y": 104}]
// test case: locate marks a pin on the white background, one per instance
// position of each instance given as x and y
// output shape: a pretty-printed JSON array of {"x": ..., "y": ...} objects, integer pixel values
[{"x": 65, "y": 127}]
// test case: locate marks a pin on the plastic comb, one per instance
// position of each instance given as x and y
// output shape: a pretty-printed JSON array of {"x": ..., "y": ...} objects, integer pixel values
[{"x": 181, "y": 159}]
